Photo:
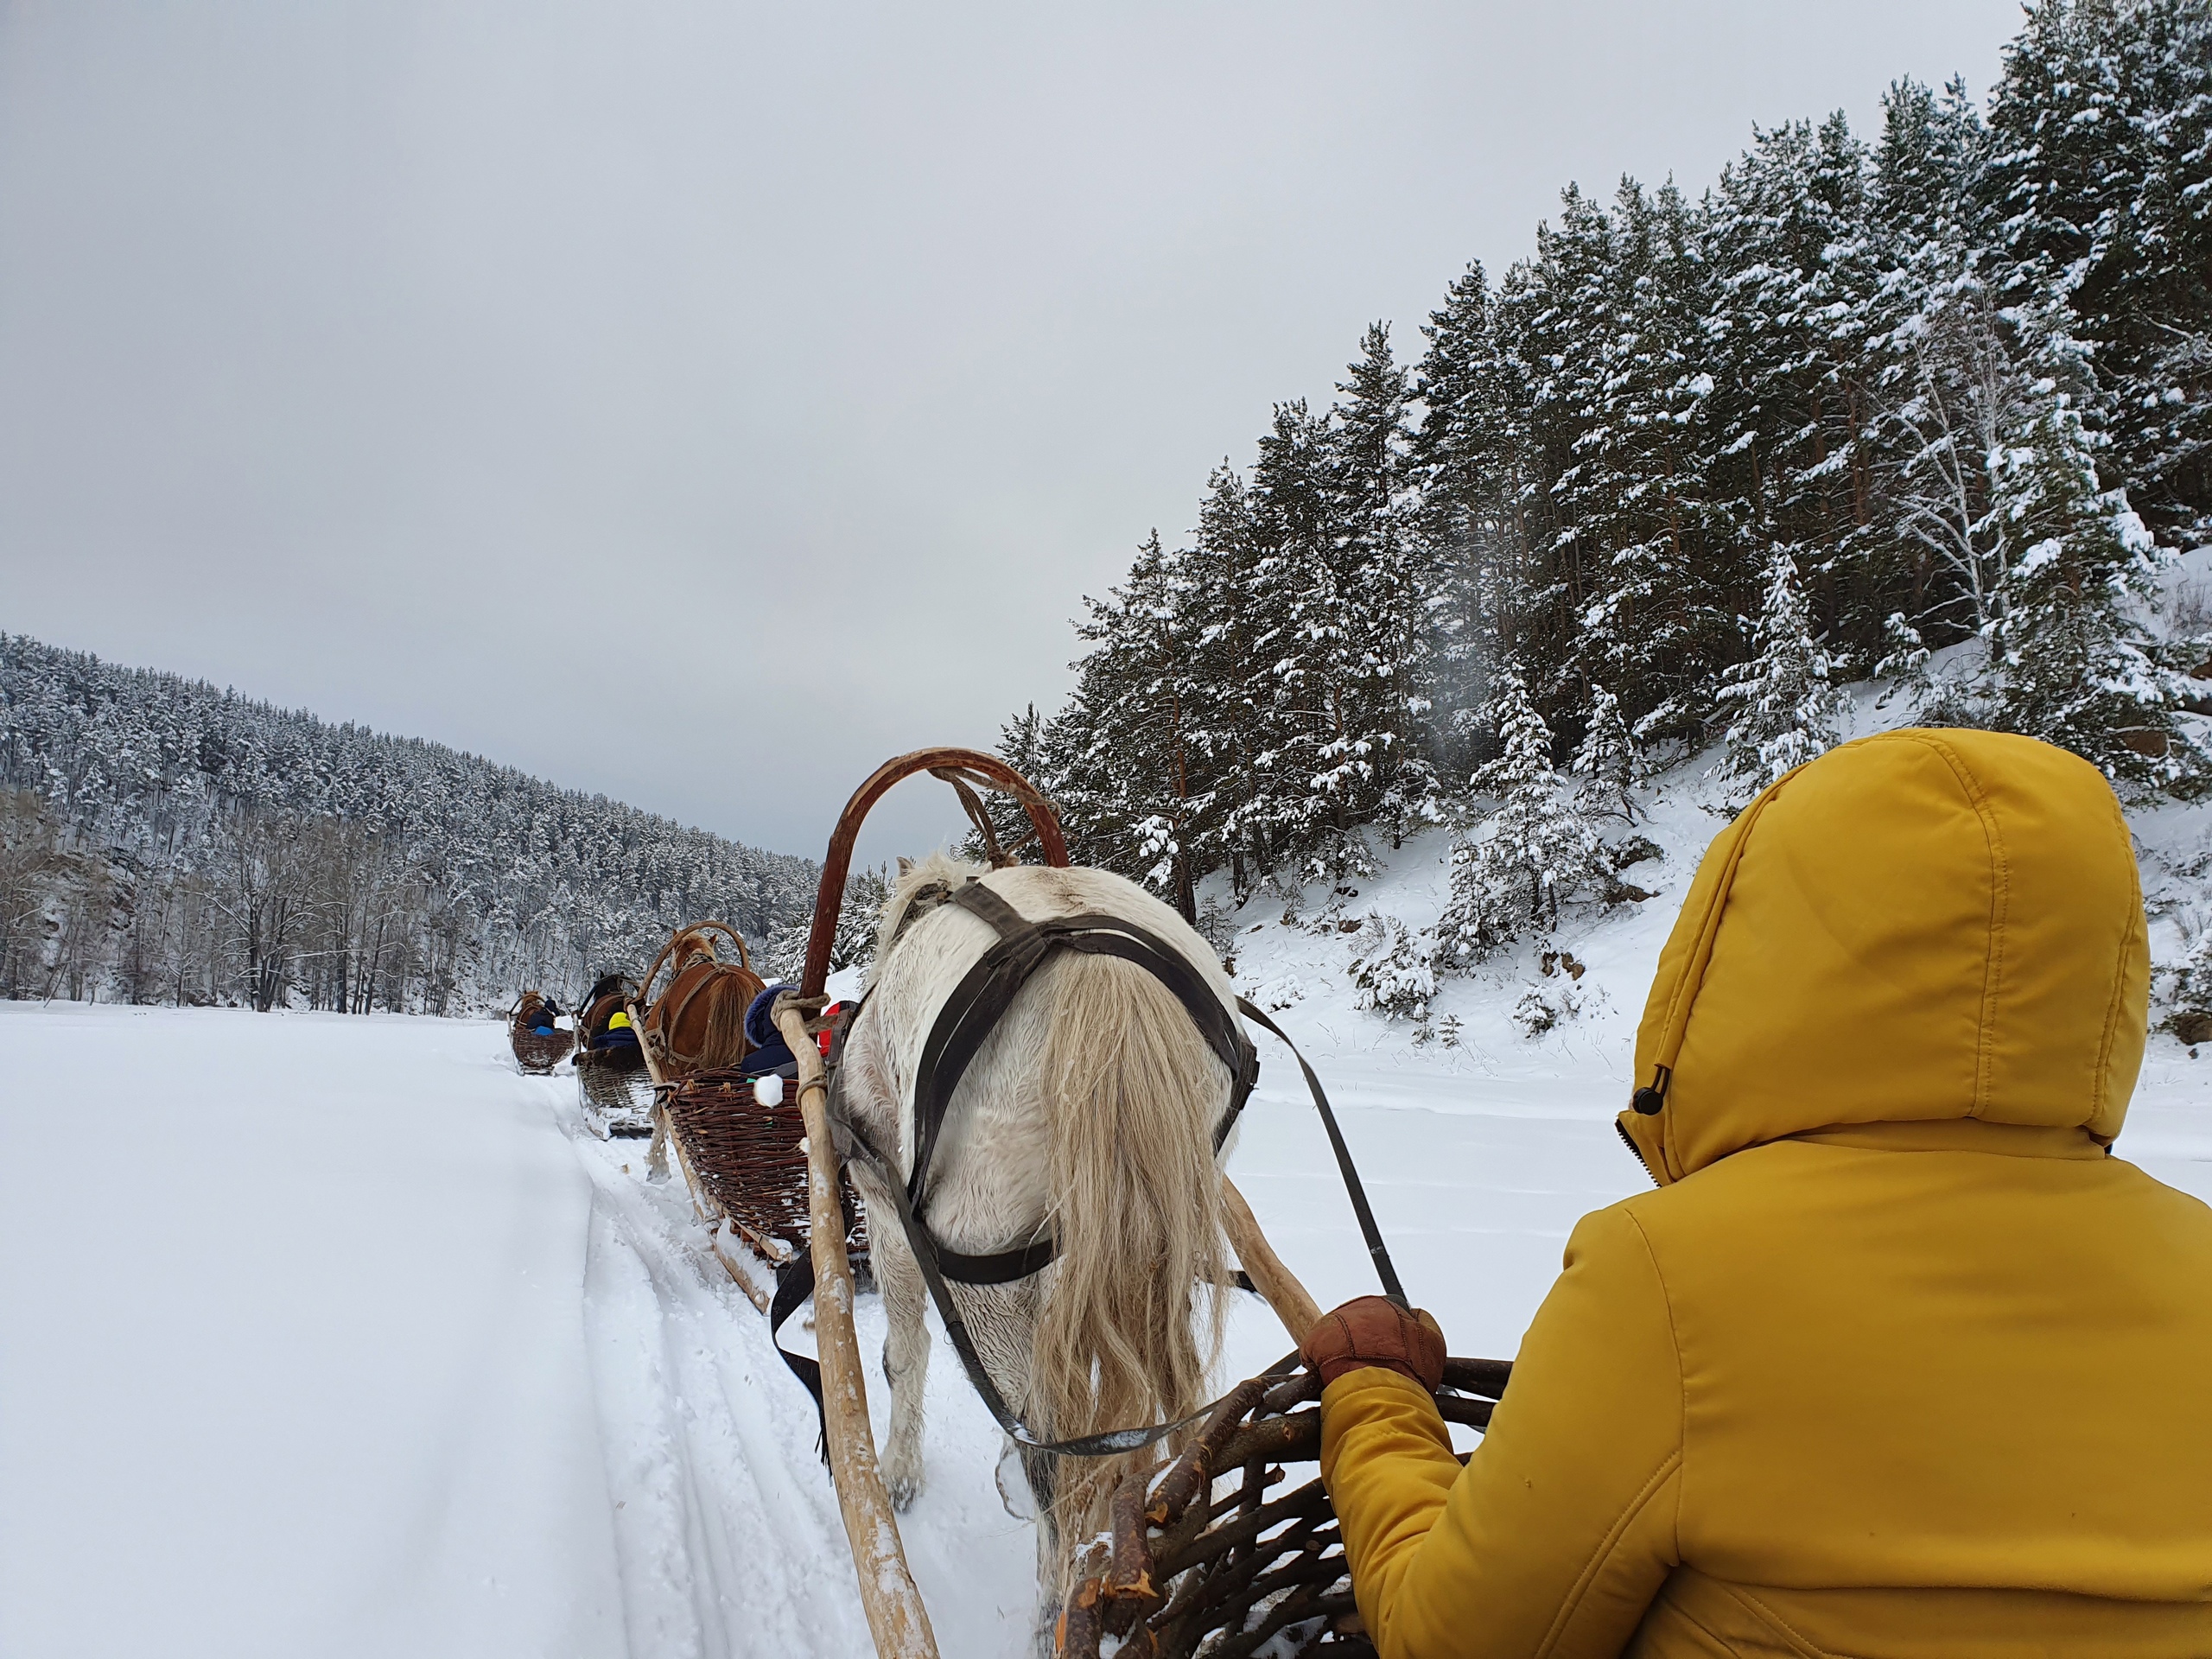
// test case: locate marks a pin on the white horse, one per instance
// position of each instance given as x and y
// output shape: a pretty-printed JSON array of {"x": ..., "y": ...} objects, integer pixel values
[{"x": 1087, "y": 1115}]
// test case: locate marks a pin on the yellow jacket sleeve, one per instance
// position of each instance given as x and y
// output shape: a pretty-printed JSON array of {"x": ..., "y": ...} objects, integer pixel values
[{"x": 1557, "y": 1535}]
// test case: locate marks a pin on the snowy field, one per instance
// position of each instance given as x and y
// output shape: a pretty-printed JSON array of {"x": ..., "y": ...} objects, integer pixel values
[{"x": 333, "y": 1337}]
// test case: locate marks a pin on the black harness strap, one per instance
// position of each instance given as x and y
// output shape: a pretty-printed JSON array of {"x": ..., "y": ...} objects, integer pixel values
[
  {"x": 987, "y": 989},
  {"x": 966, "y": 1019}
]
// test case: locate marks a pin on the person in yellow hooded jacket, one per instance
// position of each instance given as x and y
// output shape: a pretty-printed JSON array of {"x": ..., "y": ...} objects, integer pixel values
[{"x": 1898, "y": 1361}]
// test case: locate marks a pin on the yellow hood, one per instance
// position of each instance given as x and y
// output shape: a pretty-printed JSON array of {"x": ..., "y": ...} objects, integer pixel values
[{"x": 1920, "y": 927}]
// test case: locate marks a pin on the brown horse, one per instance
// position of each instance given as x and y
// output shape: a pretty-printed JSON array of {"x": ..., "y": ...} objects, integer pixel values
[{"x": 698, "y": 1022}]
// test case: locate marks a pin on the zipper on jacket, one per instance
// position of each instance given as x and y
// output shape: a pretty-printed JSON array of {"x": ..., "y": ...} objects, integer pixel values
[{"x": 1635, "y": 1151}]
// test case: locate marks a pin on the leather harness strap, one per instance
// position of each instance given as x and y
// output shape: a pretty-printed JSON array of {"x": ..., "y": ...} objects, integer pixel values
[
  {"x": 988, "y": 990},
  {"x": 963, "y": 1022}
]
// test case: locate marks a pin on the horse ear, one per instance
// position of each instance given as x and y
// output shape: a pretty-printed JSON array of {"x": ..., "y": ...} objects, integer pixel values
[{"x": 906, "y": 864}]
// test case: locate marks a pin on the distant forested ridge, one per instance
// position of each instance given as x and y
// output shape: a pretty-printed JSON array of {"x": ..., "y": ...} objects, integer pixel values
[
  {"x": 1667, "y": 483},
  {"x": 162, "y": 841}
]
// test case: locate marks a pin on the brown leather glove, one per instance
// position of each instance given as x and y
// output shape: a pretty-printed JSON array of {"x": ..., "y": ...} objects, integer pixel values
[{"x": 1376, "y": 1331}]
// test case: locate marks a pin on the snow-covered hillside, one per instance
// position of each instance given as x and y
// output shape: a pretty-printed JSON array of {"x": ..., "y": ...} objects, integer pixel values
[
  {"x": 162, "y": 841},
  {"x": 335, "y": 1335},
  {"x": 1566, "y": 1003}
]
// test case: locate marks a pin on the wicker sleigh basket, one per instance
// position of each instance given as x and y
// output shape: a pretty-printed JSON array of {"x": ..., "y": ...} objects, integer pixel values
[
  {"x": 1202, "y": 1564},
  {"x": 538, "y": 1054},
  {"x": 748, "y": 1161}
]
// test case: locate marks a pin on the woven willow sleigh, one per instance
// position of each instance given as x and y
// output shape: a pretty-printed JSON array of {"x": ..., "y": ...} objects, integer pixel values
[
  {"x": 746, "y": 1164},
  {"x": 1201, "y": 1563},
  {"x": 535, "y": 1055}
]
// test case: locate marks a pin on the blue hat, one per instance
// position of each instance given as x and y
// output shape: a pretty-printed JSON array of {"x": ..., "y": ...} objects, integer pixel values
[{"x": 759, "y": 1030}]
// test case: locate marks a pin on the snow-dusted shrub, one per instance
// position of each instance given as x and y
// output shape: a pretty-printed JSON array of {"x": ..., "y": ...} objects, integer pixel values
[
  {"x": 1542, "y": 1007},
  {"x": 1279, "y": 993},
  {"x": 1448, "y": 1031},
  {"x": 1607, "y": 762},
  {"x": 2191, "y": 994},
  {"x": 1635, "y": 849},
  {"x": 1392, "y": 972}
]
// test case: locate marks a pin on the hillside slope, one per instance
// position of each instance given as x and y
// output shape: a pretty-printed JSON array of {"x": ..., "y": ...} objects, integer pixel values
[
  {"x": 162, "y": 841},
  {"x": 1525, "y": 1027}
]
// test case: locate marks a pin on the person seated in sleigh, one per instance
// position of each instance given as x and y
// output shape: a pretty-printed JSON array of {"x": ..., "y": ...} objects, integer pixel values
[{"x": 1900, "y": 1359}]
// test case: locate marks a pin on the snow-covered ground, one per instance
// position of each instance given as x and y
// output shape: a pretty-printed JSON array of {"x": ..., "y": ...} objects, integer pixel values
[{"x": 333, "y": 1337}]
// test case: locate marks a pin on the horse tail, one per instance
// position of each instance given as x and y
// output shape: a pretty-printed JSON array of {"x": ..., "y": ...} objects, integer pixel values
[
  {"x": 727, "y": 997},
  {"x": 1130, "y": 1327}
]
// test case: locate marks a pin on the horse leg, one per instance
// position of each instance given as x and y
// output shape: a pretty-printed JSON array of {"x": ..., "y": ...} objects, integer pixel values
[
  {"x": 905, "y": 1357},
  {"x": 1002, "y": 1319}
]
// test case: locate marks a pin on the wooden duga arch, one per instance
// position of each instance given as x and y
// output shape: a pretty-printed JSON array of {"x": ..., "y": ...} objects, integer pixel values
[
  {"x": 896, "y": 1618},
  {"x": 966, "y": 770},
  {"x": 744, "y": 955}
]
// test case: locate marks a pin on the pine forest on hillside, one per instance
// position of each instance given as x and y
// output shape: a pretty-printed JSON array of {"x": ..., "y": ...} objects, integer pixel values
[
  {"x": 1931, "y": 407},
  {"x": 1934, "y": 407},
  {"x": 164, "y": 841}
]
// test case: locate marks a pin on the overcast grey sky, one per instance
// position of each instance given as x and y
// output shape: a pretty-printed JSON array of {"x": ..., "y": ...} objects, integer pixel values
[{"x": 700, "y": 403}]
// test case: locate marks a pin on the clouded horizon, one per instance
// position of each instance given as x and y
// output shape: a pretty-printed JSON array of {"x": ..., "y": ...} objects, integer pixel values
[{"x": 700, "y": 403}]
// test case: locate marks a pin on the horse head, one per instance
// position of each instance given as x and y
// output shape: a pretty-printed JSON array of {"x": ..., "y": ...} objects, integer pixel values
[
  {"x": 692, "y": 945},
  {"x": 920, "y": 888}
]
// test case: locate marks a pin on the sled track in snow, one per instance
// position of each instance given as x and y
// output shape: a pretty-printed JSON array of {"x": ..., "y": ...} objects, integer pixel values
[{"x": 726, "y": 1533}]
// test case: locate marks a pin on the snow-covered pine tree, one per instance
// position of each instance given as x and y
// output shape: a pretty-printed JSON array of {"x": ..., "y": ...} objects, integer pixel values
[
  {"x": 1537, "y": 851},
  {"x": 1333, "y": 603},
  {"x": 1607, "y": 761},
  {"x": 1539, "y": 319},
  {"x": 1287, "y": 674},
  {"x": 1904, "y": 666},
  {"x": 1799, "y": 286},
  {"x": 2074, "y": 662},
  {"x": 2101, "y": 173},
  {"x": 858, "y": 916},
  {"x": 1482, "y": 509},
  {"x": 1125, "y": 781},
  {"x": 1024, "y": 744},
  {"x": 1222, "y": 725},
  {"x": 1375, "y": 759},
  {"x": 1656, "y": 619},
  {"x": 1782, "y": 709}
]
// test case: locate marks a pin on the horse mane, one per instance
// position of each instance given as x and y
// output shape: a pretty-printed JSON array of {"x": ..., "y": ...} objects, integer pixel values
[{"x": 921, "y": 887}]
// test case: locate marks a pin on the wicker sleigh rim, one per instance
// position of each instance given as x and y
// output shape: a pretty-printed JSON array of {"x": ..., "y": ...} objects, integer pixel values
[{"x": 1186, "y": 1571}]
